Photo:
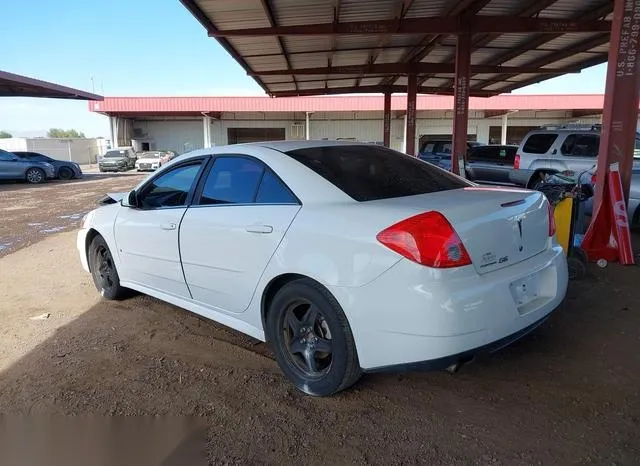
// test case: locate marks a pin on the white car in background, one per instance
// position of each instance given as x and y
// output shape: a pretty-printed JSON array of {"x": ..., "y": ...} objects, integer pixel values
[
  {"x": 149, "y": 161},
  {"x": 346, "y": 257}
]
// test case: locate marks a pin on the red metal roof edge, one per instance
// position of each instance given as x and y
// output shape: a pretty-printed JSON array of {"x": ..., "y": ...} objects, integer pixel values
[{"x": 168, "y": 105}]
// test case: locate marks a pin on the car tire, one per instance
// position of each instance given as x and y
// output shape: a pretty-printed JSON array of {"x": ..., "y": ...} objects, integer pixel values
[
  {"x": 103, "y": 270},
  {"x": 35, "y": 176},
  {"x": 65, "y": 173},
  {"x": 312, "y": 339}
]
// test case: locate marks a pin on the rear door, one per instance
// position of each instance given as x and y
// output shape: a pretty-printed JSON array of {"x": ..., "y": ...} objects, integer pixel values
[
  {"x": 10, "y": 168},
  {"x": 580, "y": 152},
  {"x": 229, "y": 234}
]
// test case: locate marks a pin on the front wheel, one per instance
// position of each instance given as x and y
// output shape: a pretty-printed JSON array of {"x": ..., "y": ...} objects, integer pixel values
[
  {"x": 35, "y": 176},
  {"x": 65, "y": 173},
  {"x": 312, "y": 339},
  {"x": 103, "y": 270}
]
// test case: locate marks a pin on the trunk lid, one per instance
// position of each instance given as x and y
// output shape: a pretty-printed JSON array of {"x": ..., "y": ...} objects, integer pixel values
[{"x": 499, "y": 227}]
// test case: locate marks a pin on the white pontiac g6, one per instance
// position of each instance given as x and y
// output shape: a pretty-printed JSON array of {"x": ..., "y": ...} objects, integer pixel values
[{"x": 346, "y": 257}]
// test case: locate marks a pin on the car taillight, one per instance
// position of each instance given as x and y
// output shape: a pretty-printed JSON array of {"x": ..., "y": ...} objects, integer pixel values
[
  {"x": 516, "y": 162},
  {"x": 552, "y": 220},
  {"x": 428, "y": 239}
]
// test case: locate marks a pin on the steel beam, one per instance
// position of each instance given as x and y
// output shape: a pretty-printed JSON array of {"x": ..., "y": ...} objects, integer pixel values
[
  {"x": 461, "y": 100},
  {"x": 386, "y": 129},
  {"x": 620, "y": 114},
  {"x": 205, "y": 21},
  {"x": 429, "y": 25},
  {"x": 377, "y": 89},
  {"x": 410, "y": 134},
  {"x": 413, "y": 68},
  {"x": 268, "y": 10}
]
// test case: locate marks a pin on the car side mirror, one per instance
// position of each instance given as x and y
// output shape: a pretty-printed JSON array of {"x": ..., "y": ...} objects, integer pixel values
[{"x": 131, "y": 200}]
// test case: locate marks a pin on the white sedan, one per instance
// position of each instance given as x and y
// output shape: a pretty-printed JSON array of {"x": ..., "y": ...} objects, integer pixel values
[{"x": 346, "y": 257}]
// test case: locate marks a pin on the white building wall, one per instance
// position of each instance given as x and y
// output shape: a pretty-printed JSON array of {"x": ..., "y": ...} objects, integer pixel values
[
  {"x": 184, "y": 134},
  {"x": 81, "y": 150},
  {"x": 11, "y": 144},
  {"x": 177, "y": 135}
]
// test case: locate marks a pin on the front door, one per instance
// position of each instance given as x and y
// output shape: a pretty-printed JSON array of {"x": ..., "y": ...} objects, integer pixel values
[
  {"x": 232, "y": 230},
  {"x": 147, "y": 236}
]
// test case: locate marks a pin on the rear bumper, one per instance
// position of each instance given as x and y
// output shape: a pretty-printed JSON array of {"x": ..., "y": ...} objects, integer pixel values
[
  {"x": 414, "y": 314},
  {"x": 466, "y": 356}
]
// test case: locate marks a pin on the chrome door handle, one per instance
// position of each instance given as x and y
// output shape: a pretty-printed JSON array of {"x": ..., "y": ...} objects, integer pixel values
[
  {"x": 264, "y": 229},
  {"x": 168, "y": 226}
]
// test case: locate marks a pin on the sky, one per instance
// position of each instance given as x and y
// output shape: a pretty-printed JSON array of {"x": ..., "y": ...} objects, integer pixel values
[{"x": 136, "y": 48}]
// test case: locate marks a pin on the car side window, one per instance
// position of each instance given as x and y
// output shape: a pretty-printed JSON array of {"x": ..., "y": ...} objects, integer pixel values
[
  {"x": 170, "y": 189},
  {"x": 539, "y": 143},
  {"x": 274, "y": 191},
  {"x": 232, "y": 180},
  {"x": 585, "y": 145}
]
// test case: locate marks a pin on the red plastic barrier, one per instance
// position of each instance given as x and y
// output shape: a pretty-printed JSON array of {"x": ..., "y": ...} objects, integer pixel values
[
  {"x": 608, "y": 236},
  {"x": 619, "y": 216}
]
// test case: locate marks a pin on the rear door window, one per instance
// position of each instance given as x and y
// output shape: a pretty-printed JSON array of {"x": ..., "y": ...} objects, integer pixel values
[
  {"x": 581, "y": 145},
  {"x": 539, "y": 143},
  {"x": 367, "y": 173}
]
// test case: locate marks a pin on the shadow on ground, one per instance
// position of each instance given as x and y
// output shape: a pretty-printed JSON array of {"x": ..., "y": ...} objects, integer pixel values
[{"x": 568, "y": 393}]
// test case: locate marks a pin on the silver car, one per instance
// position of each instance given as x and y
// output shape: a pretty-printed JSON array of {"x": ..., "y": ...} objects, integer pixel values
[{"x": 13, "y": 167}]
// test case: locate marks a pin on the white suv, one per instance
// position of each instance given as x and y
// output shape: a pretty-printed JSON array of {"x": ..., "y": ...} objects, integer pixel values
[{"x": 563, "y": 148}]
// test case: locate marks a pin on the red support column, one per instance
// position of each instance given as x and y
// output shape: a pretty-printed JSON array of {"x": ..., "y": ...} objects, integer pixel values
[
  {"x": 620, "y": 115},
  {"x": 410, "y": 135},
  {"x": 461, "y": 100},
  {"x": 387, "y": 120}
]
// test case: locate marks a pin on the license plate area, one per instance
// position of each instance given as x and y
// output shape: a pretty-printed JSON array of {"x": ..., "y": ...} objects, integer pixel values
[{"x": 525, "y": 292}]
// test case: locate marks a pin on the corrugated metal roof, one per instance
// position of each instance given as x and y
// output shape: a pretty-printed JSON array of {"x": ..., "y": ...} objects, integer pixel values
[
  {"x": 197, "y": 105},
  {"x": 259, "y": 54},
  {"x": 14, "y": 85}
]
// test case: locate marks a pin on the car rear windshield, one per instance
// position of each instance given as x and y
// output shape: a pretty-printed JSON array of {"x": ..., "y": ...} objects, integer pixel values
[
  {"x": 368, "y": 173},
  {"x": 539, "y": 143}
]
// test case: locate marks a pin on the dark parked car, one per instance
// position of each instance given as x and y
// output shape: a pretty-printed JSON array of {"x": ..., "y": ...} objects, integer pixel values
[
  {"x": 13, "y": 167},
  {"x": 438, "y": 152},
  {"x": 491, "y": 164},
  {"x": 117, "y": 160},
  {"x": 64, "y": 169}
]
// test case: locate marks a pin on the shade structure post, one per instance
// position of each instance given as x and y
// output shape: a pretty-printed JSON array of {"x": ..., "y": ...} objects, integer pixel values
[
  {"x": 386, "y": 130},
  {"x": 620, "y": 114},
  {"x": 410, "y": 135},
  {"x": 461, "y": 100}
]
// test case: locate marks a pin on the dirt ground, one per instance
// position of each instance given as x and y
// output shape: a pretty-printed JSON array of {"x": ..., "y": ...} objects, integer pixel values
[
  {"x": 567, "y": 394},
  {"x": 31, "y": 212}
]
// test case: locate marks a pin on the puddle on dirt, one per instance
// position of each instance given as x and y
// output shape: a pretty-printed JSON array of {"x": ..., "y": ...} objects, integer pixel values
[
  {"x": 52, "y": 230},
  {"x": 4, "y": 246},
  {"x": 72, "y": 216},
  {"x": 35, "y": 224}
]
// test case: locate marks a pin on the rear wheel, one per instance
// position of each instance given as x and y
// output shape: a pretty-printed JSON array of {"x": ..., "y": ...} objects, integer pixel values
[
  {"x": 103, "y": 270},
  {"x": 65, "y": 173},
  {"x": 35, "y": 176},
  {"x": 312, "y": 339}
]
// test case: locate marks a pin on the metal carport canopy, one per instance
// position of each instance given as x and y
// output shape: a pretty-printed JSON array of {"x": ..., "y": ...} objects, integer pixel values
[
  {"x": 13, "y": 85},
  {"x": 313, "y": 47}
]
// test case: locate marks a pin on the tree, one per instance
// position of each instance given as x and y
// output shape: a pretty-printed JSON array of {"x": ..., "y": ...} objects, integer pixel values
[
  {"x": 64, "y": 133},
  {"x": 5, "y": 135}
]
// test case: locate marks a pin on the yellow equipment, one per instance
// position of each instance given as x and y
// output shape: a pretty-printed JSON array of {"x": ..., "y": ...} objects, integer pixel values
[{"x": 563, "y": 215}]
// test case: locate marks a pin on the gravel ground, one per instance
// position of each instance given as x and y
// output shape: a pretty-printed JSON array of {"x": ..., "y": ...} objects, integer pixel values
[{"x": 566, "y": 394}]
